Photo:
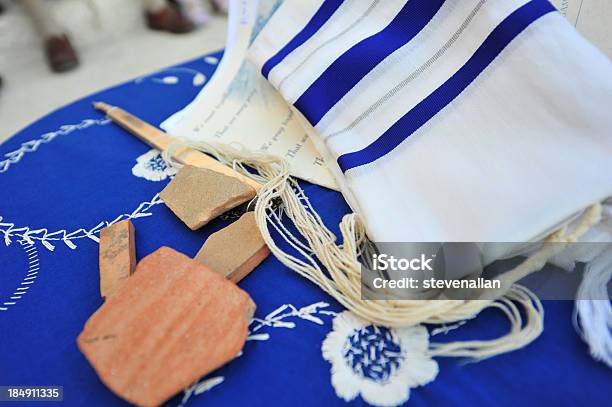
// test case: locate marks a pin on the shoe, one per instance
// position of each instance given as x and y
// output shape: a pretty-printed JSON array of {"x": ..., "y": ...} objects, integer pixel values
[
  {"x": 169, "y": 19},
  {"x": 220, "y": 6},
  {"x": 61, "y": 57}
]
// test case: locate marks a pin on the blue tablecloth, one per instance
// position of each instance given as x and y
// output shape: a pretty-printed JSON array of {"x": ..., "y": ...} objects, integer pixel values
[{"x": 68, "y": 173}]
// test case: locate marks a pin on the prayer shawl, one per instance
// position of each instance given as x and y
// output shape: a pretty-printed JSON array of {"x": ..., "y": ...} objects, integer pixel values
[
  {"x": 448, "y": 121},
  {"x": 484, "y": 121}
]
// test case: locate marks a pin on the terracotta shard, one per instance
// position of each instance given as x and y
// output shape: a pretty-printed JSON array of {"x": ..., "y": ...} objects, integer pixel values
[
  {"x": 235, "y": 250},
  {"x": 117, "y": 256},
  {"x": 197, "y": 195},
  {"x": 172, "y": 322}
]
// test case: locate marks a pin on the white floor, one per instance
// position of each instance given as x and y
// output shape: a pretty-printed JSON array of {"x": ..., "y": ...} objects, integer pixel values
[{"x": 114, "y": 46}]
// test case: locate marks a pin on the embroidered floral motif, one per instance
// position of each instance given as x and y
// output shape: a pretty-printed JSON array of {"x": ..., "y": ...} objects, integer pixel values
[
  {"x": 380, "y": 364},
  {"x": 165, "y": 77},
  {"x": 284, "y": 317},
  {"x": 152, "y": 167},
  {"x": 32, "y": 146},
  {"x": 49, "y": 238}
]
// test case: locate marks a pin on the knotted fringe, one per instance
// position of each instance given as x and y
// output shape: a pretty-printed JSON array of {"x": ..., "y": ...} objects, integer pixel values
[
  {"x": 343, "y": 277},
  {"x": 593, "y": 312}
]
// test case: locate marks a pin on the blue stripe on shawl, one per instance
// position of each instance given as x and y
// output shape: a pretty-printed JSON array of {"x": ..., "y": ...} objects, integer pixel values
[
  {"x": 324, "y": 13},
  {"x": 495, "y": 43},
  {"x": 346, "y": 71}
]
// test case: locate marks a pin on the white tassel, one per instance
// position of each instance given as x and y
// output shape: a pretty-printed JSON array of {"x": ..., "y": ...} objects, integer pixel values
[
  {"x": 340, "y": 275},
  {"x": 593, "y": 312}
]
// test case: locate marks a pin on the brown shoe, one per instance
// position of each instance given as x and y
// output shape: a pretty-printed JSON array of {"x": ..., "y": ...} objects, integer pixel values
[
  {"x": 60, "y": 54},
  {"x": 169, "y": 19}
]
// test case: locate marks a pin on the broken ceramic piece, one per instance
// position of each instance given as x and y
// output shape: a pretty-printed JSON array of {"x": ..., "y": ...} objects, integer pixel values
[
  {"x": 198, "y": 195},
  {"x": 171, "y": 323},
  {"x": 117, "y": 256},
  {"x": 235, "y": 250}
]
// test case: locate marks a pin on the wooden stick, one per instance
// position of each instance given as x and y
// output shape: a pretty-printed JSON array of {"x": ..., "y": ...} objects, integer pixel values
[{"x": 161, "y": 141}]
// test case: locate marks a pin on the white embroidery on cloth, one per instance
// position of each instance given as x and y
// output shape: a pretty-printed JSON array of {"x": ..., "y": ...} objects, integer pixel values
[
  {"x": 380, "y": 364},
  {"x": 200, "y": 387},
  {"x": 165, "y": 76},
  {"x": 152, "y": 167},
  {"x": 31, "y": 146},
  {"x": 275, "y": 319},
  {"x": 47, "y": 238},
  {"x": 29, "y": 278},
  {"x": 211, "y": 60}
]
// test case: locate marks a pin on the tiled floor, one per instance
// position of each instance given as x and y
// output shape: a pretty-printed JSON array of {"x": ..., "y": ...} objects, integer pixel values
[{"x": 114, "y": 46}]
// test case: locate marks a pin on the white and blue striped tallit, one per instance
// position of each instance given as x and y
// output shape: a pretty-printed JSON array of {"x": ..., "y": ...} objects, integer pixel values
[{"x": 448, "y": 120}]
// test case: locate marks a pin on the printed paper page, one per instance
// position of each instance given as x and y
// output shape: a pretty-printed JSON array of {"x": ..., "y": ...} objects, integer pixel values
[
  {"x": 240, "y": 106},
  {"x": 592, "y": 18}
]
